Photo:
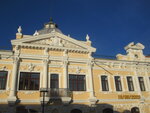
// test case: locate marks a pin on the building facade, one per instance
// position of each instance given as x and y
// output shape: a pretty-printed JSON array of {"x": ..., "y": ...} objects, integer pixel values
[{"x": 61, "y": 70}]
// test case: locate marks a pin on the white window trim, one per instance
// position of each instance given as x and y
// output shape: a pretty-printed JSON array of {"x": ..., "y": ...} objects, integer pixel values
[
  {"x": 133, "y": 83},
  {"x": 100, "y": 83},
  {"x": 121, "y": 78},
  {"x": 59, "y": 79},
  {"x": 86, "y": 82},
  {"x": 17, "y": 88},
  {"x": 144, "y": 83},
  {"x": 7, "y": 81}
]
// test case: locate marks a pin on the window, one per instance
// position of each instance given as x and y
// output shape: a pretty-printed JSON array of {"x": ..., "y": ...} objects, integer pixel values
[
  {"x": 108, "y": 110},
  {"x": 3, "y": 79},
  {"x": 104, "y": 81},
  {"x": 130, "y": 84},
  {"x": 141, "y": 83},
  {"x": 118, "y": 83},
  {"x": 29, "y": 81},
  {"x": 135, "y": 110},
  {"x": 77, "y": 82},
  {"x": 54, "y": 81}
]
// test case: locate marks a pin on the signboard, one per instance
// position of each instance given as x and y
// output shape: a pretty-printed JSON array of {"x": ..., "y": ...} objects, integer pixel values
[{"x": 129, "y": 96}]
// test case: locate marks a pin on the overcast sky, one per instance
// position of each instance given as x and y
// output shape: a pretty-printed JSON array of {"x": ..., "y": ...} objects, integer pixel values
[{"x": 111, "y": 24}]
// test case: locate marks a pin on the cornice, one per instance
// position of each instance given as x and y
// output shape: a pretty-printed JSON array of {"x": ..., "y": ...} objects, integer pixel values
[{"x": 24, "y": 42}]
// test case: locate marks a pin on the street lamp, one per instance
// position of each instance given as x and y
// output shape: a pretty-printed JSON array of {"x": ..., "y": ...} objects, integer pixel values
[{"x": 43, "y": 91}]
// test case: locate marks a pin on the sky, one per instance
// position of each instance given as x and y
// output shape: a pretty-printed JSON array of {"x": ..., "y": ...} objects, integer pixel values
[{"x": 110, "y": 24}]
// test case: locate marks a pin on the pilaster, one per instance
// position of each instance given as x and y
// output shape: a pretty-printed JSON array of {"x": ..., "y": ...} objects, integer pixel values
[
  {"x": 45, "y": 73},
  {"x": 65, "y": 73},
  {"x": 92, "y": 98},
  {"x": 12, "y": 95}
]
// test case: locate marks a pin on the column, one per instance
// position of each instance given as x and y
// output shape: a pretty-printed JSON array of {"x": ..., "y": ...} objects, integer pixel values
[
  {"x": 65, "y": 73},
  {"x": 45, "y": 73},
  {"x": 12, "y": 94}
]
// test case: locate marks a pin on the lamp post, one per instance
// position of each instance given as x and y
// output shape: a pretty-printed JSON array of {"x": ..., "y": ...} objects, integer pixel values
[{"x": 43, "y": 91}]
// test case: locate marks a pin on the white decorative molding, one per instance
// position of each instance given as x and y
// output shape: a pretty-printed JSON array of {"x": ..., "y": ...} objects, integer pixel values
[
  {"x": 29, "y": 92},
  {"x": 3, "y": 68},
  {"x": 78, "y": 70},
  {"x": 31, "y": 67},
  {"x": 134, "y": 46}
]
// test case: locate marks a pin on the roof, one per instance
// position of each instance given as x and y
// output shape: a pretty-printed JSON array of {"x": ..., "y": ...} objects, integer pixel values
[{"x": 49, "y": 27}]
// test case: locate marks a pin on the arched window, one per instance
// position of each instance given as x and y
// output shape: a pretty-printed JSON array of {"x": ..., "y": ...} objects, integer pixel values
[
  {"x": 55, "y": 111},
  {"x": 32, "y": 111},
  {"x": 135, "y": 110},
  {"x": 21, "y": 109},
  {"x": 76, "y": 111},
  {"x": 108, "y": 110}
]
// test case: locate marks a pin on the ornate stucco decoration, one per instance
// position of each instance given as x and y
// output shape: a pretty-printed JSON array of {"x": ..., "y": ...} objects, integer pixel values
[
  {"x": 30, "y": 92},
  {"x": 78, "y": 70},
  {"x": 137, "y": 46},
  {"x": 56, "y": 41},
  {"x": 134, "y": 52},
  {"x": 31, "y": 67},
  {"x": 19, "y": 29},
  {"x": 3, "y": 68}
]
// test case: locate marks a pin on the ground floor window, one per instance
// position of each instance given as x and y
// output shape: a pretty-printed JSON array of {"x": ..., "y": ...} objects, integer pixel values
[
  {"x": 29, "y": 81},
  {"x": 3, "y": 79},
  {"x": 108, "y": 110},
  {"x": 135, "y": 110},
  {"x": 76, "y": 111},
  {"x": 21, "y": 109},
  {"x": 77, "y": 82}
]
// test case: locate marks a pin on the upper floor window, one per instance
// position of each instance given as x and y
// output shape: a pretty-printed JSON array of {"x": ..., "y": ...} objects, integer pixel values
[
  {"x": 118, "y": 83},
  {"x": 54, "y": 81},
  {"x": 77, "y": 82},
  {"x": 29, "y": 81},
  {"x": 141, "y": 83},
  {"x": 104, "y": 81},
  {"x": 3, "y": 79},
  {"x": 130, "y": 84}
]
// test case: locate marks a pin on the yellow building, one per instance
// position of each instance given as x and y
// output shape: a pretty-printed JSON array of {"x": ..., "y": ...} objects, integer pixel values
[{"x": 61, "y": 70}]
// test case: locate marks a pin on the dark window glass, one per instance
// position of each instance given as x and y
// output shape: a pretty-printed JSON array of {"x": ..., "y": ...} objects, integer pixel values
[
  {"x": 118, "y": 83},
  {"x": 104, "y": 81},
  {"x": 141, "y": 83},
  {"x": 29, "y": 81},
  {"x": 130, "y": 84},
  {"x": 54, "y": 81},
  {"x": 3, "y": 79},
  {"x": 77, "y": 82},
  {"x": 135, "y": 110},
  {"x": 108, "y": 110}
]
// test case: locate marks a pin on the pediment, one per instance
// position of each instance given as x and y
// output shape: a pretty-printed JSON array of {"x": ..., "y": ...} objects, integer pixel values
[{"x": 54, "y": 40}]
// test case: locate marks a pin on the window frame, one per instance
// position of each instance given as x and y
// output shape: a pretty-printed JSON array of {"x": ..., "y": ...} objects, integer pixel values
[
  {"x": 6, "y": 81},
  {"x": 119, "y": 82},
  {"x": 143, "y": 83},
  {"x": 29, "y": 89},
  {"x": 132, "y": 82},
  {"x": 106, "y": 82},
  {"x": 57, "y": 81},
  {"x": 77, "y": 75}
]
